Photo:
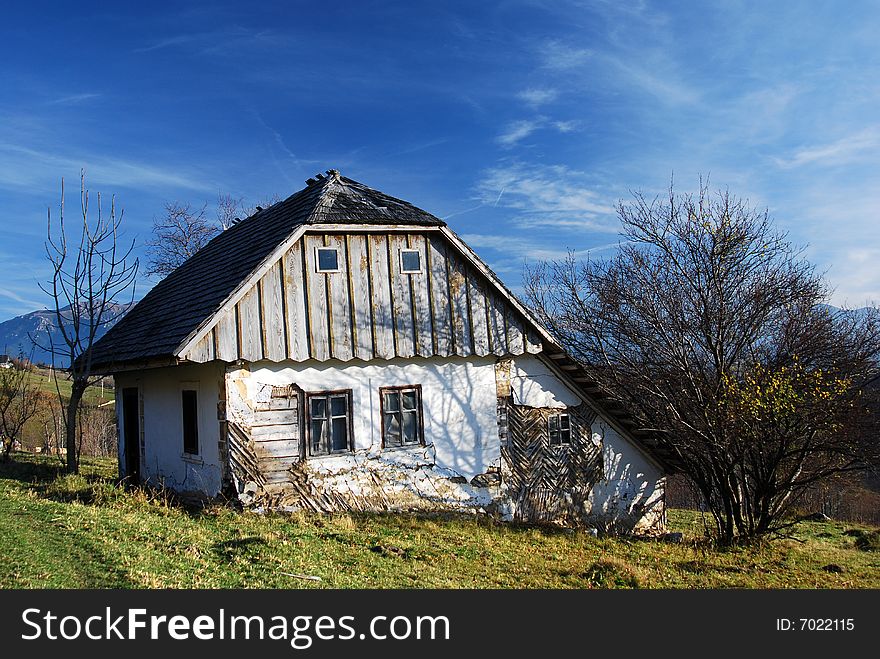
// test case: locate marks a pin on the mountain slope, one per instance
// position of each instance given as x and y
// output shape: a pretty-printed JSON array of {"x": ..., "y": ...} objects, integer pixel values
[{"x": 19, "y": 334}]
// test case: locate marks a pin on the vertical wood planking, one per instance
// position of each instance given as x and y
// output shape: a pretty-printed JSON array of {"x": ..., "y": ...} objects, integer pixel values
[
  {"x": 440, "y": 307},
  {"x": 359, "y": 277},
  {"x": 340, "y": 309},
  {"x": 479, "y": 317},
  {"x": 203, "y": 351},
  {"x": 249, "y": 325},
  {"x": 421, "y": 300},
  {"x": 533, "y": 341},
  {"x": 404, "y": 327},
  {"x": 316, "y": 289},
  {"x": 497, "y": 330},
  {"x": 227, "y": 337},
  {"x": 295, "y": 304},
  {"x": 515, "y": 335},
  {"x": 273, "y": 314},
  {"x": 458, "y": 294},
  {"x": 380, "y": 283}
]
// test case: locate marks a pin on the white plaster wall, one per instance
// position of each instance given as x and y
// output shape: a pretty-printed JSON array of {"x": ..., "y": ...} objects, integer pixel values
[
  {"x": 458, "y": 403},
  {"x": 631, "y": 490},
  {"x": 533, "y": 384},
  {"x": 164, "y": 462}
]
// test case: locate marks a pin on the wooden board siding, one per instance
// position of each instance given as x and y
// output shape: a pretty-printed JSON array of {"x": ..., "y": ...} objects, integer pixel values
[{"x": 369, "y": 309}]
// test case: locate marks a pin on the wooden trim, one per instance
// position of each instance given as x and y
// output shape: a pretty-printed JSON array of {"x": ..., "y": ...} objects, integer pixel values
[
  {"x": 371, "y": 228},
  {"x": 421, "y": 416},
  {"x": 307, "y": 436},
  {"x": 239, "y": 292}
]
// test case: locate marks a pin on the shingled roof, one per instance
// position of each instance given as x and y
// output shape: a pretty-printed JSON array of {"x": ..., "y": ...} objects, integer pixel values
[{"x": 159, "y": 324}]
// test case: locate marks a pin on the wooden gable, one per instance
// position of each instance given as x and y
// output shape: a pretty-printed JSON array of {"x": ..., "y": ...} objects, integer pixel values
[{"x": 369, "y": 309}]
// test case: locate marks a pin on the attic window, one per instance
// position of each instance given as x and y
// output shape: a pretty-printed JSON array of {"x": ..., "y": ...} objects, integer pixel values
[
  {"x": 559, "y": 427},
  {"x": 410, "y": 261},
  {"x": 327, "y": 259}
]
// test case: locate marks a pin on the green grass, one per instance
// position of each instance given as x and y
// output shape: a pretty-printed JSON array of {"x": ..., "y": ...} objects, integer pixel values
[{"x": 85, "y": 532}]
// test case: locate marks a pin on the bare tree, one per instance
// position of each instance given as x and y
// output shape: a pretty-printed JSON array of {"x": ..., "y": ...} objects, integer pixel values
[
  {"x": 708, "y": 325},
  {"x": 19, "y": 401},
  {"x": 184, "y": 230},
  {"x": 89, "y": 279},
  {"x": 177, "y": 236}
]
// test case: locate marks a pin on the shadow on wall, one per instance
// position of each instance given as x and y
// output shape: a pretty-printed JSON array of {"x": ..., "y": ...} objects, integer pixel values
[{"x": 625, "y": 502}]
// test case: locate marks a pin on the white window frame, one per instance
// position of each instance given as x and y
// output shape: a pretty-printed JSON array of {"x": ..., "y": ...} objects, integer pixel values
[
  {"x": 403, "y": 270},
  {"x": 318, "y": 262}
]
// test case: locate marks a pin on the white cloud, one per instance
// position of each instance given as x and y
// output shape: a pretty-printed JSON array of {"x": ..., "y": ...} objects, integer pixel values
[
  {"x": 537, "y": 97},
  {"x": 559, "y": 56},
  {"x": 517, "y": 131},
  {"x": 74, "y": 99},
  {"x": 538, "y": 189},
  {"x": 25, "y": 167},
  {"x": 844, "y": 151}
]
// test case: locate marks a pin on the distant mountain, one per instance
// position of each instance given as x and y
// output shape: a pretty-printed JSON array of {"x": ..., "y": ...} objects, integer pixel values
[{"x": 16, "y": 333}]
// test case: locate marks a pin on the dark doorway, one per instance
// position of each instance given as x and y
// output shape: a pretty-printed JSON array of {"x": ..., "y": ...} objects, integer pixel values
[{"x": 131, "y": 434}]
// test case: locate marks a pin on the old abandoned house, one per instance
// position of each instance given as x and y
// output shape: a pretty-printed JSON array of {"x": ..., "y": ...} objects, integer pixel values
[{"x": 345, "y": 350}]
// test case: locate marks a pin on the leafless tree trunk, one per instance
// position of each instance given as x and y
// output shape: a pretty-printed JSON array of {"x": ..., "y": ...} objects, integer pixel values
[{"x": 89, "y": 278}]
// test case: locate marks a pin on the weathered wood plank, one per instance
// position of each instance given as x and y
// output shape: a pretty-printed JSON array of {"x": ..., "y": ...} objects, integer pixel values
[
  {"x": 295, "y": 304},
  {"x": 359, "y": 278},
  {"x": 404, "y": 327},
  {"x": 515, "y": 336},
  {"x": 275, "y": 417},
  {"x": 497, "y": 329},
  {"x": 479, "y": 317},
  {"x": 458, "y": 294},
  {"x": 287, "y": 432},
  {"x": 278, "y": 450},
  {"x": 533, "y": 341},
  {"x": 421, "y": 300},
  {"x": 227, "y": 337},
  {"x": 340, "y": 310},
  {"x": 273, "y": 314},
  {"x": 440, "y": 307},
  {"x": 203, "y": 351},
  {"x": 380, "y": 285},
  {"x": 316, "y": 289},
  {"x": 249, "y": 326}
]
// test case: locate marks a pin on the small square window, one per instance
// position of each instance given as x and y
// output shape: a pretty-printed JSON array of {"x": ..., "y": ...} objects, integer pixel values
[
  {"x": 410, "y": 261},
  {"x": 401, "y": 411},
  {"x": 329, "y": 422},
  {"x": 559, "y": 428},
  {"x": 327, "y": 259}
]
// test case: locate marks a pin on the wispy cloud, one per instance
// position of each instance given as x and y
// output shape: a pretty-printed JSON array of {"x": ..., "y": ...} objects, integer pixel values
[
  {"x": 543, "y": 189},
  {"x": 25, "y": 167},
  {"x": 559, "y": 56},
  {"x": 168, "y": 42},
  {"x": 74, "y": 99},
  {"x": 537, "y": 97},
  {"x": 846, "y": 150},
  {"x": 517, "y": 131}
]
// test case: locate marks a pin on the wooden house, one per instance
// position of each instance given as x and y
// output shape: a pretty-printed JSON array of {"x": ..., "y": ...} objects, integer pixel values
[{"x": 345, "y": 350}]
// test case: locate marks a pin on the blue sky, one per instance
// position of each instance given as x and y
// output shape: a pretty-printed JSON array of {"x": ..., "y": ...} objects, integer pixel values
[{"x": 521, "y": 123}]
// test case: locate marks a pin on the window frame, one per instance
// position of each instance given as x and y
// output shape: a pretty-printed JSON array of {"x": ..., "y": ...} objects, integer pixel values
[
  {"x": 193, "y": 387},
  {"x": 418, "y": 252},
  {"x": 331, "y": 393},
  {"x": 420, "y": 416},
  {"x": 559, "y": 430},
  {"x": 318, "y": 267}
]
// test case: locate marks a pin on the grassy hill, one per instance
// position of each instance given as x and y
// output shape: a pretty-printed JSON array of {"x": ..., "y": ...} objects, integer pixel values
[{"x": 84, "y": 531}]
